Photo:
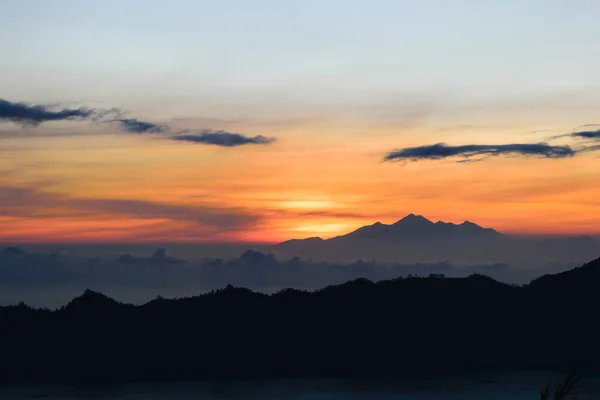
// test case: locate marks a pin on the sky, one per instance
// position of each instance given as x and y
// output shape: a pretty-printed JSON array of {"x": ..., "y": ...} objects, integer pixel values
[{"x": 144, "y": 120}]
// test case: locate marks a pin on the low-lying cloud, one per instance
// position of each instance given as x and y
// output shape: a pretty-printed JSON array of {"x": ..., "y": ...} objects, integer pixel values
[
  {"x": 52, "y": 279},
  {"x": 159, "y": 256},
  {"x": 470, "y": 152},
  {"x": 222, "y": 138}
]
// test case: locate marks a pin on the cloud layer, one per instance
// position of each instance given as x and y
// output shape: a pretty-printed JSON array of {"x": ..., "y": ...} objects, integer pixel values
[
  {"x": 440, "y": 151},
  {"x": 52, "y": 279},
  {"x": 222, "y": 138}
]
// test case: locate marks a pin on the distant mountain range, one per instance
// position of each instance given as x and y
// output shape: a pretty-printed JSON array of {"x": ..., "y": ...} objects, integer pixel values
[
  {"x": 418, "y": 227},
  {"x": 357, "y": 329},
  {"x": 414, "y": 238}
]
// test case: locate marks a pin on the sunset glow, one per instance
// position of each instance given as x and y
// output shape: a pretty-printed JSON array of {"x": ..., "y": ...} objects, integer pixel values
[
  {"x": 315, "y": 135},
  {"x": 270, "y": 194}
]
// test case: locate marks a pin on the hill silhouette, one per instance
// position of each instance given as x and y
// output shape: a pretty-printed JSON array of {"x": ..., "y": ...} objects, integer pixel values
[
  {"x": 414, "y": 238},
  {"x": 357, "y": 329}
]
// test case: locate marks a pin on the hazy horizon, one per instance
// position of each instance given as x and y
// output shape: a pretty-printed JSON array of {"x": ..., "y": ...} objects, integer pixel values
[
  {"x": 248, "y": 244},
  {"x": 51, "y": 274}
]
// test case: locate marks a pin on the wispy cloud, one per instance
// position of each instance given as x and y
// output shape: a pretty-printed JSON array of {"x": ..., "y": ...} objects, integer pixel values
[
  {"x": 581, "y": 134},
  {"x": 588, "y": 139},
  {"x": 440, "y": 151},
  {"x": 586, "y": 134},
  {"x": 28, "y": 114},
  {"x": 222, "y": 138},
  {"x": 590, "y": 148},
  {"x": 136, "y": 126},
  {"x": 31, "y": 202}
]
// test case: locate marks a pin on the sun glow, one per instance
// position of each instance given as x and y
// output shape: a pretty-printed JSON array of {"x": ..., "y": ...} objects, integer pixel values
[
  {"x": 306, "y": 204},
  {"x": 323, "y": 229}
]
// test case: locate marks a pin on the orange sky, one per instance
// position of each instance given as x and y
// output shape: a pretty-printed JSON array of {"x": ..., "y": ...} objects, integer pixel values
[
  {"x": 314, "y": 181},
  {"x": 338, "y": 83}
]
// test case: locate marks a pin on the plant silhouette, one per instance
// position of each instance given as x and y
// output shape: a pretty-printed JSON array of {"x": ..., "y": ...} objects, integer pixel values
[{"x": 565, "y": 390}]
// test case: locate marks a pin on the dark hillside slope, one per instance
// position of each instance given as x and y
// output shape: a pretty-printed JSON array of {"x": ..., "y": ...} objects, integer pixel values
[{"x": 360, "y": 328}]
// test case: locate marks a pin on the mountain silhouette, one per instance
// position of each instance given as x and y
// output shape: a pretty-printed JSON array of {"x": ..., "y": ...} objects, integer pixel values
[
  {"x": 418, "y": 227},
  {"x": 357, "y": 329},
  {"x": 414, "y": 238}
]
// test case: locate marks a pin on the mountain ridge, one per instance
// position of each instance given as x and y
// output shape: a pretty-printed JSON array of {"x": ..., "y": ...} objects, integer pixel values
[
  {"x": 412, "y": 226},
  {"x": 409, "y": 222}
]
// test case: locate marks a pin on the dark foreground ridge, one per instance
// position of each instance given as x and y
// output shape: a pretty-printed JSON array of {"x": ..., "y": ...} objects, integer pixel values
[{"x": 356, "y": 329}]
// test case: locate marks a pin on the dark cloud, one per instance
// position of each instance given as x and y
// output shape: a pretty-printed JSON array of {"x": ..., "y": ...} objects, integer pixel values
[
  {"x": 28, "y": 114},
  {"x": 441, "y": 150},
  {"x": 586, "y": 134},
  {"x": 221, "y": 138},
  {"x": 218, "y": 138},
  {"x": 136, "y": 126}
]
